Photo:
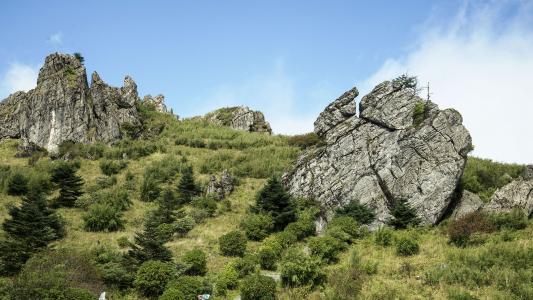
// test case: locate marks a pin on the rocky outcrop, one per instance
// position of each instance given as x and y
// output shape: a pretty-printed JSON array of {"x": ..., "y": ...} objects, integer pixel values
[
  {"x": 220, "y": 188},
  {"x": 63, "y": 107},
  {"x": 528, "y": 172},
  {"x": 383, "y": 155},
  {"x": 158, "y": 102},
  {"x": 517, "y": 194},
  {"x": 468, "y": 203},
  {"x": 240, "y": 118}
]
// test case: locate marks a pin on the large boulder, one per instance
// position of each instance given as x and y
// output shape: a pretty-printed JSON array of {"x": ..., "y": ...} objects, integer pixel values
[
  {"x": 516, "y": 194},
  {"x": 468, "y": 203},
  {"x": 383, "y": 155},
  {"x": 240, "y": 118},
  {"x": 62, "y": 107},
  {"x": 220, "y": 189}
]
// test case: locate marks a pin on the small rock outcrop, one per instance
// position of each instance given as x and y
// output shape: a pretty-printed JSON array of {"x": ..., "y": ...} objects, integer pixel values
[
  {"x": 468, "y": 203},
  {"x": 399, "y": 147},
  {"x": 158, "y": 102},
  {"x": 220, "y": 189},
  {"x": 63, "y": 107},
  {"x": 528, "y": 172},
  {"x": 240, "y": 118},
  {"x": 516, "y": 194}
]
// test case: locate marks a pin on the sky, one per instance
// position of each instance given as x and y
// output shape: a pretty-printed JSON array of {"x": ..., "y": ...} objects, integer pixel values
[{"x": 290, "y": 59}]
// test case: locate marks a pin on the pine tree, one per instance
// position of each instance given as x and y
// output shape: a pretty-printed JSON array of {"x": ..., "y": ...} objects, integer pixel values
[
  {"x": 187, "y": 188},
  {"x": 70, "y": 184},
  {"x": 403, "y": 215},
  {"x": 149, "y": 245},
  {"x": 167, "y": 211},
  {"x": 274, "y": 200},
  {"x": 17, "y": 185},
  {"x": 32, "y": 226}
]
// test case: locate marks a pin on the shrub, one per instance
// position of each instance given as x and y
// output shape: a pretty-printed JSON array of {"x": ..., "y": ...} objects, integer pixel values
[
  {"x": 406, "y": 246},
  {"x": 298, "y": 269},
  {"x": 106, "y": 181},
  {"x": 267, "y": 258},
  {"x": 345, "y": 224},
  {"x": 257, "y": 226},
  {"x": 183, "y": 225},
  {"x": 196, "y": 262},
  {"x": 304, "y": 141},
  {"x": 515, "y": 219},
  {"x": 245, "y": 265},
  {"x": 207, "y": 204},
  {"x": 152, "y": 277},
  {"x": 187, "y": 187},
  {"x": 461, "y": 230},
  {"x": 112, "y": 167},
  {"x": 150, "y": 189},
  {"x": 403, "y": 215},
  {"x": 325, "y": 248},
  {"x": 232, "y": 244},
  {"x": 286, "y": 238},
  {"x": 123, "y": 242},
  {"x": 258, "y": 287},
  {"x": 190, "y": 286},
  {"x": 345, "y": 283},
  {"x": 303, "y": 227},
  {"x": 419, "y": 113},
  {"x": 199, "y": 215},
  {"x": 172, "y": 294},
  {"x": 360, "y": 212},
  {"x": 17, "y": 184},
  {"x": 384, "y": 236},
  {"x": 103, "y": 217},
  {"x": 227, "y": 279}
]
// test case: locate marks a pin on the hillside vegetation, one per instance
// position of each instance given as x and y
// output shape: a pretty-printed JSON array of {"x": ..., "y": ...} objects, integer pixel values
[{"x": 143, "y": 227}]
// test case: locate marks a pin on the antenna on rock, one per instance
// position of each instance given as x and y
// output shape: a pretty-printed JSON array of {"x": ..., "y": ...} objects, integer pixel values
[{"x": 428, "y": 93}]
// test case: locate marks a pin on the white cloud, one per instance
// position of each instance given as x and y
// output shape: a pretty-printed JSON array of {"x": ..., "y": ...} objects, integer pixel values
[
  {"x": 273, "y": 94},
  {"x": 18, "y": 77},
  {"x": 56, "y": 38},
  {"x": 482, "y": 65}
]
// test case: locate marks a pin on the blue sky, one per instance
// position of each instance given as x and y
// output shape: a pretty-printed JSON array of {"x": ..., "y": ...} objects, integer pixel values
[{"x": 288, "y": 59}]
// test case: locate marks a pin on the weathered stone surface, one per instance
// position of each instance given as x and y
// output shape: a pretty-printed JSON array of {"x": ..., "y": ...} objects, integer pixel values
[
  {"x": 240, "y": 118},
  {"x": 335, "y": 113},
  {"x": 468, "y": 203},
  {"x": 158, "y": 102},
  {"x": 516, "y": 194},
  {"x": 220, "y": 188},
  {"x": 63, "y": 107},
  {"x": 382, "y": 158}
]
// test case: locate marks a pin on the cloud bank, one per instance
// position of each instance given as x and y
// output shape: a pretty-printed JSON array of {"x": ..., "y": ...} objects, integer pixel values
[
  {"x": 18, "y": 77},
  {"x": 482, "y": 65}
]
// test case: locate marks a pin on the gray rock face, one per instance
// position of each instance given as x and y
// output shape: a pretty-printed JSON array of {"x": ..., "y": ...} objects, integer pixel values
[
  {"x": 468, "y": 203},
  {"x": 516, "y": 194},
  {"x": 220, "y": 189},
  {"x": 338, "y": 111},
  {"x": 528, "y": 172},
  {"x": 63, "y": 107},
  {"x": 382, "y": 157},
  {"x": 158, "y": 102},
  {"x": 240, "y": 118}
]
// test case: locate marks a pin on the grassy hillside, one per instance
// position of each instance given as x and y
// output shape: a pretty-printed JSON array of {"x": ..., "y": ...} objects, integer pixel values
[{"x": 493, "y": 264}]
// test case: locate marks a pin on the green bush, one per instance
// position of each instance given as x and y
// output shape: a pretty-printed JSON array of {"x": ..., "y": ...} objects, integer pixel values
[
  {"x": 195, "y": 262},
  {"x": 304, "y": 141},
  {"x": 183, "y": 225},
  {"x": 302, "y": 228},
  {"x": 103, "y": 217},
  {"x": 298, "y": 269},
  {"x": 258, "y": 287},
  {"x": 113, "y": 267},
  {"x": 152, "y": 277},
  {"x": 325, "y": 248},
  {"x": 207, "y": 204},
  {"x": 232, "y": 244},
  {"x": 403, "y": 215},
  {"x": 245, "y": 265},
  {"x": 345, "y": 283},
  {"x": 384, "y": 236},
  {"x": 346, "y": 225},
  {"x": 360, "y": 212},
  {"x": 274, "y": 200},
  {"x": 257, "y": 226},
  {"x": 172, "y": 294},
  {"x": 267, "y": 258},
  {"x": 419, "y": 113},
  {"x": 227, "y": 279},
  {"x": 190, "y": 286},
  {"x": 112, "y": 167},
  {"x": 17, "y": 184},
  {"x": 514, "y": 220},
  {"x": 286, "y": 238},
  {"x": 461, "y": 230},
  {"x": 406, "y": 246}
]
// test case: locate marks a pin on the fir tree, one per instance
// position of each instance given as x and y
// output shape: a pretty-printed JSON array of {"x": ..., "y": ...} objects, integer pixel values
[
  {"x": 32, "y": 226},
  {"x": 167, "y": 211},
  {"x": 70, "y": 184},
  {"x": 149, "y": 245},
  {"x": 403, "y": 215},
  {"x": 187, "y": 188},
  {"x": 274, "y": 200},
  {"x": 17, "y": 184}
]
